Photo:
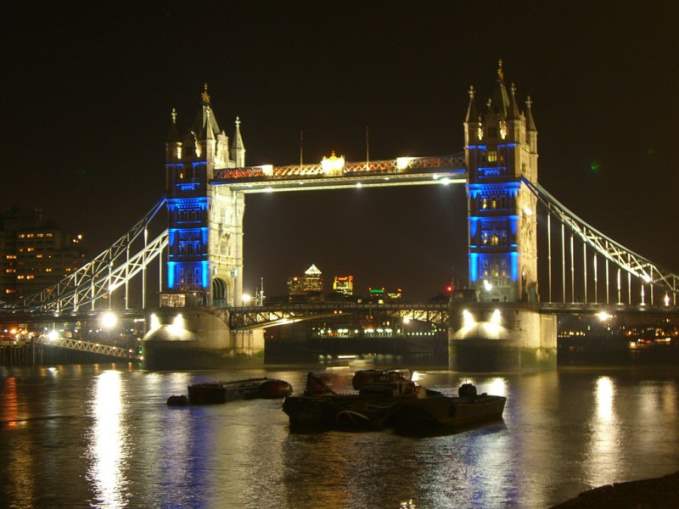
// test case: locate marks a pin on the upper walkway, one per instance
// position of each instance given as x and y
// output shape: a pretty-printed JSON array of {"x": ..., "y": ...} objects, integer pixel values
[{"x": 335, "y": 173}]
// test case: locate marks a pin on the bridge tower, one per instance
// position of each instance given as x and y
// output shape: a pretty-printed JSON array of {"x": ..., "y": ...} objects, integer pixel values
[
  {"x": 205, "y": 251},
  {"x": 500, "y": 149},
  {"x": 503, "y": 329}
]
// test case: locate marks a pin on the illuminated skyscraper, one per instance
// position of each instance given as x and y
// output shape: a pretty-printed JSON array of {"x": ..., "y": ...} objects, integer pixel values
[
  {"x": 343, "y": 285},
  {"x": 500, "y": 150},
  {"x": 308, "y": 286}
]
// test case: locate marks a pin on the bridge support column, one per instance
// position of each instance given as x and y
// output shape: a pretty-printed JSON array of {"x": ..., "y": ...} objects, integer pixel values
[{"x": 485, "y": 337}]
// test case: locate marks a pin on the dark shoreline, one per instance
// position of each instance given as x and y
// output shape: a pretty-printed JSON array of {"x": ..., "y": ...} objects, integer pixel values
[{"x": 657, "y": 492}]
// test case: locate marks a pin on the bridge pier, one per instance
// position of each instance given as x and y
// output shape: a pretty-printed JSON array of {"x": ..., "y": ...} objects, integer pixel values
[
  {"x": 493, "y": 337},
  {"x": 199, "y": 338}
]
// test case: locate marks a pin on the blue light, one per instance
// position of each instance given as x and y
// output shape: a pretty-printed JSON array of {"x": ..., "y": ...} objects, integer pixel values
[
  {"x": 514, "y": 264},
  {"x": 473, "y": 267},
  {"x": 170, "y": 275},
  {"x": 205, "y": 273},
  {"x": 197, "y": 164},
  {"x": 479, "y": 147},
  {"x": 188, "y": 186}
]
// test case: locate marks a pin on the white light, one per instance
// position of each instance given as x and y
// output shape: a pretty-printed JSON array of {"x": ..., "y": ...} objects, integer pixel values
[
  {"x": 496, "y": 318},
  {"x": 435, "y": 176},
  {"x": 407, "y": 320},
  {"x": 359, "y": 185},
  {"x": 267, "y": 169},
  {"x": 468, "y": 320},
  {"x": 445, "y": 181},
  {"x": 52, "y": 335},
  {"x": 246, "y": 298},
  {"x": 487, "y": 286},
  {"x": 647, "y": 279},
  {"x": 402, "y": 163},
  {"x": 268, "y": 189},
  {"x": 154, "y": 322},
  {"x": 666, "y": 300},
  {"x": 108, "y": 320},
  {"x": 332, "y": 164},
  {"x": 527, "y": 211},
  {"x": 604, "y": 316},
  {"x": 177, "y": 328}
]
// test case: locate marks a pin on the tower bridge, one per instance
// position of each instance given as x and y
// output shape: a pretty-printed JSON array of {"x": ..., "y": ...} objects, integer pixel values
[{"x": 200, "y": 263}]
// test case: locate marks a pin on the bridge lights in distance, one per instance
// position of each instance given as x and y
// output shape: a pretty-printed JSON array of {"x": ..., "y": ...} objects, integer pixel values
[
  {"x": 666, "y": 300},
  {"x": 468, "y": 320},
  {"x": 402, "y": 163},
  {"x": 52, "y": 335},
  {"x": 604, "y": 316},
  {"x": 108, "y": 320},
  {"x": 487, "y": 286},
  {"x": 154, "y": 322},
  {"x": 406, "y": 320}
]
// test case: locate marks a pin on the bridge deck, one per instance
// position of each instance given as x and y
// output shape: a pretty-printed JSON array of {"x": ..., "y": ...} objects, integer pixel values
[{"x": 402, "y": 171}]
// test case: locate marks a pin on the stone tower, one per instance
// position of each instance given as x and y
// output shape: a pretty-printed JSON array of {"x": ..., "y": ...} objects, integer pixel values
[
  {"x": 205, "y": 246},
  {"x": 500, "y": 150}
]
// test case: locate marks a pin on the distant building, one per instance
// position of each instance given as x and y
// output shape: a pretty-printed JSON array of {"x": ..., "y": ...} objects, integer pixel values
[
  {"x": 34, "y": 253},
  {"x": 382, "y": 295},
  {"x": 309, "y": 286},
  {"x": 343, "y": 285}
]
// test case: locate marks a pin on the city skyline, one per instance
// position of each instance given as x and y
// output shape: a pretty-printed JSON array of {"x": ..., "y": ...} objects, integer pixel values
[{"x": 102, "y": 136}]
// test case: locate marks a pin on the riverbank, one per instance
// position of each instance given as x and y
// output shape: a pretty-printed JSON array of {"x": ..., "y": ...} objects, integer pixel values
[{"x": 658, "y": 492}]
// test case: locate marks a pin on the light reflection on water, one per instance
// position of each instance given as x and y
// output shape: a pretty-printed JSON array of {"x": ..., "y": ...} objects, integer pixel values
[
  {"x": 563, "y": 432},
  {"x": 108, "y": 441}
]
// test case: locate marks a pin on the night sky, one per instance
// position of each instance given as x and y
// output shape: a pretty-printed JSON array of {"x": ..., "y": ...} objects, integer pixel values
[{"x": 86, "y": 96}]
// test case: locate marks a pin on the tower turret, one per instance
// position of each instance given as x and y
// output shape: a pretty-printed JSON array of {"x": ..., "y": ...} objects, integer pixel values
[{"x": 237, "y": 146}]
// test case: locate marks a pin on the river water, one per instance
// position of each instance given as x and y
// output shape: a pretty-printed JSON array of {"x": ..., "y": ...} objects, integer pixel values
[{"x": 97, "y": 436}]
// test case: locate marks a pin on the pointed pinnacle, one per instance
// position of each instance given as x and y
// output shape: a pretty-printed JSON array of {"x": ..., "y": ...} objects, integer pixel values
[
  {"x": 173, "y": 115},
  {"x": 471, "y": 91}
]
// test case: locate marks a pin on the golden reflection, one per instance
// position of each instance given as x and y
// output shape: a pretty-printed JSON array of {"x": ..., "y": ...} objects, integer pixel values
[
  {"x": 108, "y": 441},
  {"x": 497, "y": 386},
  {"x": 10, "y": 406},
  {"x": 604, "y": 447}
]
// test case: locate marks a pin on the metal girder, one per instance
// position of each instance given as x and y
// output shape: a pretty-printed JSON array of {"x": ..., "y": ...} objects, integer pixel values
[
  {"x": 108, "y": 281},
  {"x": 87, "y": 346},
  {"x": 93, "y": 270},
  {"x": 268, "y": 316},
  {"x": 625, "y": 258}
]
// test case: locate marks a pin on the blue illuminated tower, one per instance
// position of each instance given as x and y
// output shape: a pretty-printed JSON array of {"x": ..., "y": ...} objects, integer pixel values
[
  {"x": 205, "y": 253},
  {"x": 500, "y": 149}
]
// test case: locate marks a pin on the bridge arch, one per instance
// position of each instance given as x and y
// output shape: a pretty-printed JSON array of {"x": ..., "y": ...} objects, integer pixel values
[{"x": 218, "y": 291}]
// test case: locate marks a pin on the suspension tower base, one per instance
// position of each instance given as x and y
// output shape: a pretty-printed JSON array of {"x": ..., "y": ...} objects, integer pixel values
[
  {"x": 495, "y": 337},
  {"x": 199, "y": 338}
]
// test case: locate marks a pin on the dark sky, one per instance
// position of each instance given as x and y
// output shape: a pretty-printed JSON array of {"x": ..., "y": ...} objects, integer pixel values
[{"x": 86, "y": 95}]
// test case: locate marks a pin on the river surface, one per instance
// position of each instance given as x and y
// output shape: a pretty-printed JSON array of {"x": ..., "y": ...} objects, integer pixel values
[{"x": 96, "y": 436}]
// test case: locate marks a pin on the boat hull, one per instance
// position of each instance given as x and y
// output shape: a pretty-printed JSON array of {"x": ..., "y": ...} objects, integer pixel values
[{"x": 405, "y": 414}]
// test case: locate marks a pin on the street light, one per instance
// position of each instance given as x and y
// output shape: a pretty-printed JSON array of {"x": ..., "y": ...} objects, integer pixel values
[
  {"x": 108, "y": 320},
  {"x": 246, "y": 298}
]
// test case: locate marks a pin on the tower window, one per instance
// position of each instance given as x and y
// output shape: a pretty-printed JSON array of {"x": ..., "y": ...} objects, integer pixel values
[
  {"x": 484, "y": 203},
  {"x": 492, "y": 156}
]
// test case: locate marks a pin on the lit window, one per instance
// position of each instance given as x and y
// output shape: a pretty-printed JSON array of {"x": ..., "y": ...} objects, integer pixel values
[
  {"x": 22, "y": 236},
  {"x": 492, "y": 156},
  {"x": 30, "y": 276},
  {"x": 9, "y": 290},
  {"x": 484, "y": 203},
  {"x": 30, "y": 249},
  {"x": 479, "y": 133},
  {"x": 48, "y": 269},
  {"x": 493, "y": 204},
  {"x": 11, "y": 257},
  {"x": 20, "y": 276},
  {"x": 38, "y": 256}
]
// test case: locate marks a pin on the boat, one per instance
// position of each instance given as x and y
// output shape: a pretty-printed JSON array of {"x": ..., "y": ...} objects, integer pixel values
[
  {"x": 251, "y": 388},
  {"x": 388, "y": 399}
]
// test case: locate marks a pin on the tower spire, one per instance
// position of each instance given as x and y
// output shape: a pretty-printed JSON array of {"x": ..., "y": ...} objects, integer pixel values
[
  {"x": 529, "y": 115},
  {"x": 500, "y": 71},
  {"x": 237, "y": 146},
  {"x": 173, "y": 132},
  {"x": 472, "y": 114},
  {"x": 514, "y": 112},
  {"x": 205, "y": 97}
]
